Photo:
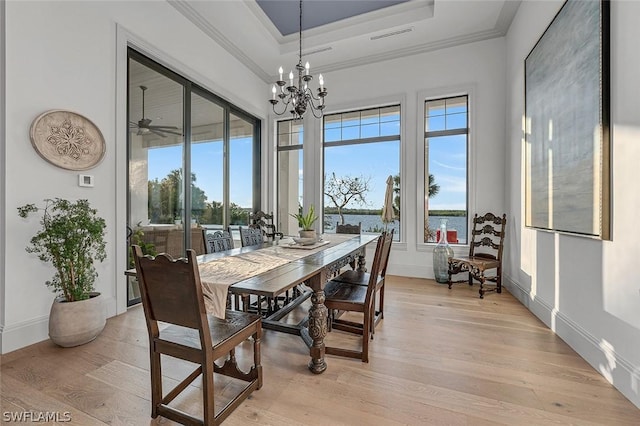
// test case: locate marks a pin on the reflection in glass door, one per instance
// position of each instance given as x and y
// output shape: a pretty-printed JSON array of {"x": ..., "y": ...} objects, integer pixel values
[
  {"x": 155, "y": 164},
  {"x": 194, "y": 162},
  {"x": 207, "y": 163},
  {"x": 241, "y": 180}
]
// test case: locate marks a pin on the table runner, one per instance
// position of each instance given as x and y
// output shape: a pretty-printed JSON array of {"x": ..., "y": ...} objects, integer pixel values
[{"x": 216, "y": 276}]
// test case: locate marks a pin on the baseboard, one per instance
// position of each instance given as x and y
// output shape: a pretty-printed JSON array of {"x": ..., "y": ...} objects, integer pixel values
[
  {"x": 25, "y": 333},
  {"x": 413, "y": 271},
  {"x": 617, "y": 370},
  {"x": 35, "y": 330}
]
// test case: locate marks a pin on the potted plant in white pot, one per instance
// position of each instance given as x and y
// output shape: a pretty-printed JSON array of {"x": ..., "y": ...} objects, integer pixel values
[
  {"x": 71, "y": 239},
  {"x": 305, "y": 222}
]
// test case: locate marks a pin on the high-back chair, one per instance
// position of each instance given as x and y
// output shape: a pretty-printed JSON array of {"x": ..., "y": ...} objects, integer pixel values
[
  {"x": 172, "y": 294},
  {"x": 251, "y": 236},
  {"x": 362, "y": 278},
  {"x": 216, "y": 241},
  {"x": 485, "y": 252},
  {"x": 347, "y": 228},
  {"x": 264, "y": 221},
  {"x": 356, "y": 298}
]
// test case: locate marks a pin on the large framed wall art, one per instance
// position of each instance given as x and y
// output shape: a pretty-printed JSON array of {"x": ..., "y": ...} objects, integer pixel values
[{"x": 566, "y": 126}]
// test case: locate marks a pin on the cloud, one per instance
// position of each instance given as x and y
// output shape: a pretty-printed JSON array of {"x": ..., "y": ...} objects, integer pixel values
[{"x": 447, "y": 166}]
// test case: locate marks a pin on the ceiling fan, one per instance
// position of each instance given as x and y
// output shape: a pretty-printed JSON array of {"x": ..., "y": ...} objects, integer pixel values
[{"x": 144, "y": 125}]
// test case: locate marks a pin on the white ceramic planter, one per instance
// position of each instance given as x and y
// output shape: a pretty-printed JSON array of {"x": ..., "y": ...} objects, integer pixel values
[
  {"x": 76, "y": 323},
  {"x": 308, "y": 234}
]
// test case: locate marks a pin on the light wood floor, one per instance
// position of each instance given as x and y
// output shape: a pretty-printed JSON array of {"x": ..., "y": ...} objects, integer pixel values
[{"x": 439, "y": 357}]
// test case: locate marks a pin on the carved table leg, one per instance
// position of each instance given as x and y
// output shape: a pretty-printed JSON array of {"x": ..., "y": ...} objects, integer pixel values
[
  {"x": 317, "y": 324},
  {"x": 362, "y": 261}
]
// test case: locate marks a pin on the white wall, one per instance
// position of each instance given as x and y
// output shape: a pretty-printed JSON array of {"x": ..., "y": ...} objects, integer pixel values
[
  {"x": 477, "y": 68},
  {"x": 72, "y": 55},
  {"x": 587, "y": 291},
  {"x": 3, "y": 241}
]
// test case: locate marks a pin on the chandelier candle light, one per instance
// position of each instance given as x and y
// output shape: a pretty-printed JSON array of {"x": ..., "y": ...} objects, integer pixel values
[{"x": 300, "y": 97}]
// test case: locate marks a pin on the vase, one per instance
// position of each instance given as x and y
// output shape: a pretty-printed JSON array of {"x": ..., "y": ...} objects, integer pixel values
[
  {"x": 441, "y": 254},
  {"x": 76, "y": 323},
  {"x": 308, "y": 233}
]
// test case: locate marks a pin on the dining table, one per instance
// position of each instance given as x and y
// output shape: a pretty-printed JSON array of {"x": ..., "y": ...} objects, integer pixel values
[{"x": 272, "y": 269}]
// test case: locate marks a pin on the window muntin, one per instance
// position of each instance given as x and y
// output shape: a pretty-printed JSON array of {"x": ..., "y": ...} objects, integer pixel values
[
  {"x": 361, "y": 148},
  {"x": 446, "y": 141}
]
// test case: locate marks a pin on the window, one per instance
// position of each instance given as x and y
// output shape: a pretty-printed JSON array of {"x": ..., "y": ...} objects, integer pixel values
[
  {"x": 361, "y": 150},
  {"x": 194, "y": 162},
  {"x": 446, "y": 140},
  {"x": 290, "y": 172}
]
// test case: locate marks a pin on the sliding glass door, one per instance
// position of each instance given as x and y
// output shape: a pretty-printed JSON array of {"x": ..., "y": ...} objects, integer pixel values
[{"x": 194, "y": 162}]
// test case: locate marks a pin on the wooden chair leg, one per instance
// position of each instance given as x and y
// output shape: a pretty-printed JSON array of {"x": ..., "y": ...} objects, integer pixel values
[
  {"x": 156, "y": 383},
  {"x": 207, "y": 393},
  {"x": 365, "y": 338}
]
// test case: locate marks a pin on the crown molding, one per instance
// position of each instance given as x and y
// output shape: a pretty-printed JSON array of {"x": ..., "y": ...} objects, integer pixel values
[
  {"x": 508, "y": 12},
  {"x": 500, "y": 29},
  {"x": 184, "y": 8}
]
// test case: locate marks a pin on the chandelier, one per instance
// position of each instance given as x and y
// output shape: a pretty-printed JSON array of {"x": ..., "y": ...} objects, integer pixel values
[{"x": 299, "y": 97}]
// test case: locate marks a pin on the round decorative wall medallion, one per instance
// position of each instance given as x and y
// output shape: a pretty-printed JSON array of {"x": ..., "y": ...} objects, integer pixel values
[{"x": 68, "y": 140}]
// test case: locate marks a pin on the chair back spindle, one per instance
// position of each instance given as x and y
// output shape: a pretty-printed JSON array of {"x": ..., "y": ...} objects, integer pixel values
[
  {"x": 217, "y": 241},
  {"x": 264, "y": 222},
  {"x": 487, "y": 237},
  {"x": 251, "y": 236},
  {"x": 348, "y": 228}
]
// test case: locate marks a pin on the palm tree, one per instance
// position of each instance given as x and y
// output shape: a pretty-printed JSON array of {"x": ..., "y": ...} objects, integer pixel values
[{"x": 434, "y": 188}]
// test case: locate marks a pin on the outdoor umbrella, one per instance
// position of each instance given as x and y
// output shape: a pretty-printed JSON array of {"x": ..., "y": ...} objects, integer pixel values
[{"x": 387, "y": 209}]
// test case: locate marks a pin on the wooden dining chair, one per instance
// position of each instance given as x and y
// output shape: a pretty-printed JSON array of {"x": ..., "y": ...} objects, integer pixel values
[
  {"x": 362, "y": 278},
  {"x": 251, "y": 236},
  {"x": 348, "y": 228},
  {"x": 217, "y": 241},
  {"x": 264, "y": 221},
  {"x": 350, "y": 297},
  {"x": 485, "y": 252},
  {"x": 171, "y": 293}
]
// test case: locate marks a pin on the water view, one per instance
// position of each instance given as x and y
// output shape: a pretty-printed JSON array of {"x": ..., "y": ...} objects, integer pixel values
[{"x": 373, "y": 223}]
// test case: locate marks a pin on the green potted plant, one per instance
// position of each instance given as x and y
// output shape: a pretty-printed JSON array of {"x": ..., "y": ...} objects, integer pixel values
[
  {"x": 305, "y": 222},
  {"x": 71, "y": 239}
]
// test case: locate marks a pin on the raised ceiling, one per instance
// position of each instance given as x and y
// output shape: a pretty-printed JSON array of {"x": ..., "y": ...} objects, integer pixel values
[
  {"x": 286, "y": 17},
  {"x": 355, "y": 32}
]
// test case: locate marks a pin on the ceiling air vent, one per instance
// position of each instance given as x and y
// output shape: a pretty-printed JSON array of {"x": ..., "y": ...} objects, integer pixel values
[
  {"x": 393, "y": 33},
  {"x": 313, "y": 52}
]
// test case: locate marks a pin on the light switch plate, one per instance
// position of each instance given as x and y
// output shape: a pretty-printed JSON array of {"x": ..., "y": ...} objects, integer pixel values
[{"x": 85, "y": 180}]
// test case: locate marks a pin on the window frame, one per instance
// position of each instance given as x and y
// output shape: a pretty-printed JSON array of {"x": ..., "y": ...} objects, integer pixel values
[
  {"x": 286, "y": 148},
  {"x": 399, "y": 102},
  {"x": 421, "y": 168}
]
